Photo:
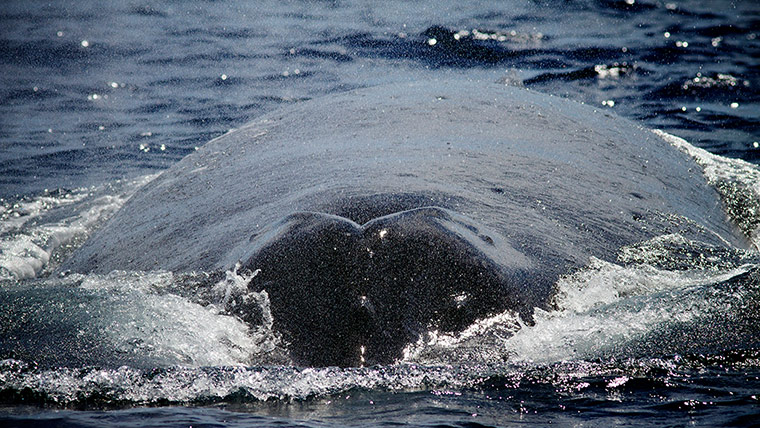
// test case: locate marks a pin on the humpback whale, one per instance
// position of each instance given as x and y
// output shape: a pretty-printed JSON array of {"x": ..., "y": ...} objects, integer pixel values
[{"x": 376, "y": 215}]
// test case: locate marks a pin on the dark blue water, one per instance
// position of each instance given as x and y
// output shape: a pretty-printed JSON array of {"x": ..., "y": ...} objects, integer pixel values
[{"x": 94, "y": 92}]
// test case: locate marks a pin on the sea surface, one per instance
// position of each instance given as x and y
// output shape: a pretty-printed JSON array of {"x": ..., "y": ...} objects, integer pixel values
[{"x": 97, "y": 98}]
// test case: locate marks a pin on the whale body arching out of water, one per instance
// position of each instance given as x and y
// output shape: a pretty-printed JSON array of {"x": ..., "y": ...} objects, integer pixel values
[{"x": 376, "y": 215}]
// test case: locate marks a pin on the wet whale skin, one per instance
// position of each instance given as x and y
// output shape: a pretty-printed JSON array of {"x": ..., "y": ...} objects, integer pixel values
[{"x": 376, "y": 215}]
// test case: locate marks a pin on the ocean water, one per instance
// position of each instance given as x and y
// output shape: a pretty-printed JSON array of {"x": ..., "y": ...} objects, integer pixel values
[{"x": 97, "y": 98}]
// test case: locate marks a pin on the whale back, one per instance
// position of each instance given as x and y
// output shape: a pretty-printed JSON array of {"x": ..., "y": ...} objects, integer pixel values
[{"x": 560, "y": 181}]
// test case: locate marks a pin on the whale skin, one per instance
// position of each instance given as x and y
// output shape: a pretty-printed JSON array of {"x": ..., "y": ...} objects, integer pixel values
[{"x": 376, "y": 215}]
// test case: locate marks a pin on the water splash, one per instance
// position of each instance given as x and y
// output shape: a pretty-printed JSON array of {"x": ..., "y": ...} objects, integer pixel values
[
  {"x": 611, "y": 310},
  {"x": 36, "y": 232},
  {"x": 737, "y": 181}
]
